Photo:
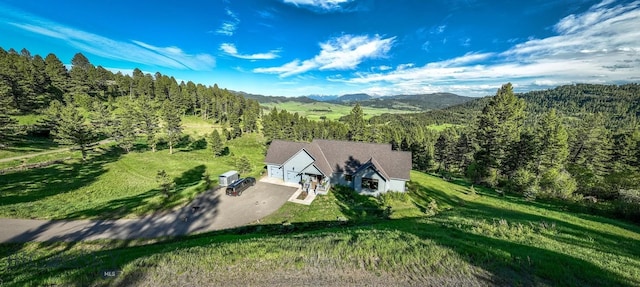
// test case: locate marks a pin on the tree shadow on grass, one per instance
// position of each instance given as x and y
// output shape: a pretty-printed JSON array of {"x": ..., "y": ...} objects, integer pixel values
[
  {"x": 187, "y": 186},
  {"x": 357, "y": 207},
  {"x": 39, "y": 183},
  {"x": 510, "y": 262},
  {"x": 557, "y": 205},
  {"x": 573, "y": 233},
  {"x": 31, "y": 144}
]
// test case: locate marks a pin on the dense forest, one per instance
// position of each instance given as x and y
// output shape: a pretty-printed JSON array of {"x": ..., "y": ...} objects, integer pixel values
[
  {"x": 87, "y": 102},
  {"x": 566, "y": 143}
]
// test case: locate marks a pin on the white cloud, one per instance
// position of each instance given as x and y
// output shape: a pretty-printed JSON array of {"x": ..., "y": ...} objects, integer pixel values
[
  {"x": 342, "y": 53},
  {"x": 231, "y": 50},
  {"x": 329, "y": 5},
  {"x": 229, "y": 27},
  {"x": 601, "y": 45},
  {"x": 134, "y": 51}
]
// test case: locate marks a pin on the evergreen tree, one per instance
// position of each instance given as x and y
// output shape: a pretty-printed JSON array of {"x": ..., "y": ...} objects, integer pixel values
[
  {"x": 444, "y": 150},
  {"x": 216, "y": 144},
  {"x": 589, "y": 155},
  {"x": 41, "y": 84},
  {"x": 464, "y": 150},
  {"x": 58, "y": 75},
  {"x": 356, "y": 123},
  {"x": 498, "y": 127},
  {"x": 80, "y": 70},
  {"x": 102, "y": 118},
  {"x": 70, "y": 126},
  {"x": 172, "y": 123},
  {"x": 243, "y": 164},
  {"x": 166, "y": 184},
  {"x": 126, "y": 125},
  {"x": 8, "y": 126},
  {"x": 146, "y": 113},
  {"x": 523, "y": 154},
  {"x": 553, "y": 146}
]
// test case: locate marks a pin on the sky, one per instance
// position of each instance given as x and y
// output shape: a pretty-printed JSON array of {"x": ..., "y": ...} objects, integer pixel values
[{"x": 335, "y": 47}]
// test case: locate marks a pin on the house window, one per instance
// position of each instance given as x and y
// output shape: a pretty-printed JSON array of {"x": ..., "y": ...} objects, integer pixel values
[
  {"x": 370, "y": 183},
  {"x": 348, "y": 177}
]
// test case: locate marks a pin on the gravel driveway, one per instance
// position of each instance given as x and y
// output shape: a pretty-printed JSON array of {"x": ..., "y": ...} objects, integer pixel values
[{"x": 212, "y": 210}]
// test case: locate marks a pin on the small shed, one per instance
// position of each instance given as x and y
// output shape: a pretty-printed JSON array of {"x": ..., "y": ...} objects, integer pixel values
[{"x": 228, "y": 177}]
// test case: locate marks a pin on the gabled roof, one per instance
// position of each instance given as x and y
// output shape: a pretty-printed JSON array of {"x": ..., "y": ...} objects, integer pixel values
[
  {"x": 376, "y": 166},
  {"x": 345, "y": 156},
  {"x": 280, "y": 151}
]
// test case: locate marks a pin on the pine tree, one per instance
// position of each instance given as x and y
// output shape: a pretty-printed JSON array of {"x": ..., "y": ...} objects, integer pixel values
[
  {"x": 80, "y": 70},
  {"x": 172, "y": 123},
  {"x": 166, "y": 184},
  {"x": 216, "y": 144},
  {"x": 553, "y": 146},
  {"x": 8, "y": 125},
  {"x": 357, "y": 124},
  {"x": 523, "y": 154},
  {"x": 146, "y": 113},
  {"x": 126, "y": 124},
  {"x": 464, "y": 150},
  {"x": 444, "y": 150},
  {"x": 498, "y": 128},
  {"x": 57, "y": 73},
  {"x": 70, "y": 126},
  {"x": 243, "y": 164}
]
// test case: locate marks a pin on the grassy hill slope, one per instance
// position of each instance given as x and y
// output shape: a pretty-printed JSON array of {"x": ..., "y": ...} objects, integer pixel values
[
  {"x": 332, "y": 111},
  {"x": 440, "y": 234}
]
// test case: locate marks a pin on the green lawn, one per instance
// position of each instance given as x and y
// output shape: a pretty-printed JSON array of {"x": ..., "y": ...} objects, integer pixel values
[
  {"x": 314, "y": 111},
  {"x": 441, "y": 127},
  {"x": 112, "y": 184},
  {"x": 197, "y": 127},
  {"x": 464, "y": 239}
]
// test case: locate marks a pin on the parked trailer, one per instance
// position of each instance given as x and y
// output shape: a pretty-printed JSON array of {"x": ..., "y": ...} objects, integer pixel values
[{"x": 228, "y": 177}]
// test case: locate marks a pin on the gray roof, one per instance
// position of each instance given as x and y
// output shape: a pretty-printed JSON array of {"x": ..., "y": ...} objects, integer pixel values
[
  {"x": 280, "y": 151},
  {"x": 345, "y": 156}
]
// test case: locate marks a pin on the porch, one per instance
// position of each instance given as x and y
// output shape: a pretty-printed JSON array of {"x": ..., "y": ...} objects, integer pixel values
[{"x": 315, "y": 183}]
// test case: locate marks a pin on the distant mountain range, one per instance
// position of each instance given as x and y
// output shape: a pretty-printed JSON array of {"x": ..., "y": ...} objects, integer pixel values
[{"x": 421, "y": 102}]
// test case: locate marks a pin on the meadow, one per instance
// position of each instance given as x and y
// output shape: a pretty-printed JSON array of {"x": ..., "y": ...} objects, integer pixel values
[
  {"x": 438, "y": 234},
  {"x": 115, "y": 184},
  {"x": 317, "y": 110}
]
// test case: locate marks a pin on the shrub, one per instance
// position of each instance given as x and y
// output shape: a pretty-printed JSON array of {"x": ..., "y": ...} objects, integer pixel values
[
  {"x": 472, "y": 191},
  {"x": 522, "y": 181},
  {"x": 432, "y": 208},
  {"x": 628, "y": 204},
  {"x": 557, "y": 183},
  {"x": 387, "y": 197}
]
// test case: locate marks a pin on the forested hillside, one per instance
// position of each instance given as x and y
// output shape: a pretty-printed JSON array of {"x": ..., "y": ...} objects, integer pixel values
[
  {"x": 87, "y": 102},
  {"x": 619, "y": 104},
  {"x": 578, "y": 140}
]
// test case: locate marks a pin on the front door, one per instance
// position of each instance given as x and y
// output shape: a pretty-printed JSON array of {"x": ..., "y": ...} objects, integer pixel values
[{"x": 293, "y": 176}]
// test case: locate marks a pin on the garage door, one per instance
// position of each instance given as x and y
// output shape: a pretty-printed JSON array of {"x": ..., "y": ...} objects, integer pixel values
[
  {"x": 292, "y": 176},
  {"x": 276, "y": 172}
]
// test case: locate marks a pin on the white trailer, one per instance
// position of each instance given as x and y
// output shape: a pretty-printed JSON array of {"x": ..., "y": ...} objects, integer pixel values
[{"x": 228, "y": 177}]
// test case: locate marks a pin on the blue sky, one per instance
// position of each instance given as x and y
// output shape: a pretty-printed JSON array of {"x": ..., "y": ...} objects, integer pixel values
[{"x": 331, "y": 47}]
